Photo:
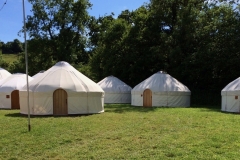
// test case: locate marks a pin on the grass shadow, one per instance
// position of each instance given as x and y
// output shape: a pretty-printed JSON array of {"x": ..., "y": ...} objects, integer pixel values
[
  {"x": 233, "y": 113},
  {"x": 206, "y": 108},
  {"x": 19, "y": 115},
  {"x": 122, "y": 108}
]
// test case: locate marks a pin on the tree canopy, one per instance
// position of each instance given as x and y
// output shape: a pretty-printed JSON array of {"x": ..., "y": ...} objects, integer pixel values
[
  {"x": 57, "y": 31},
  {"x": 12, "y": 47},
  {"x": 195, "y": 41}
]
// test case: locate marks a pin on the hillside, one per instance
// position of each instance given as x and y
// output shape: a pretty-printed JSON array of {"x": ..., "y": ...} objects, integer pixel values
[{"x": 10, "y": 58}]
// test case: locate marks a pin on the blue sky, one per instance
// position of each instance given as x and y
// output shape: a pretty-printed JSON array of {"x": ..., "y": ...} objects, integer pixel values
[{"x": 11, "y": 14}]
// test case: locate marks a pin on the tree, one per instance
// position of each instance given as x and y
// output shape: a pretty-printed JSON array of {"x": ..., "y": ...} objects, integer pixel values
[
  {"x": 158, "y": 36},
  {"x": 1, "y": 44},
  {"x": 14, "y": 46},
  {"x": 201, "y": 37},
  {"x": 57, "y": 31},
  {"x": 221, "y": 51},
  {"x": 3, "y": 64},
  {"x": 190, "y": 39},
  {"x": 17, "y": 46},
  {"x": 106, "y": 34}
]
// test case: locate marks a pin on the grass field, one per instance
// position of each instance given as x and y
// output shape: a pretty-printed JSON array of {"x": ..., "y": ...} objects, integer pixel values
[
  {"x": 10, "y": 58},
  {"x": 123, "y": 132}
]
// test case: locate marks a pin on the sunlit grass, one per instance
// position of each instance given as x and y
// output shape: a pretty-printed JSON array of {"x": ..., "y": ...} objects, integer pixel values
[
  {"x": 10, "y": 58},
  {"x": 123, "y": 132}
]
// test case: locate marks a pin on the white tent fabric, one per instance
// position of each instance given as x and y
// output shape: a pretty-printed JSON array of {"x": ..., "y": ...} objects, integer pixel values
[
  {"x": 83, "y": 95},
  {"x": 4, "y": 73},
  {"x": 38, "y": 74},
  {"x": 165, "y": 90},
  {"x": 231, "y": 96},
  {"x": 116, "y": 91},
  {"x": 9, "y": 84}
]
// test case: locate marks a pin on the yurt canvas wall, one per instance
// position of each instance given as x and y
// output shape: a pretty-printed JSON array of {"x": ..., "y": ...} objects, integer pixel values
[
  {"x": 9, "y": 90},
  {"x": 116, "y": 91},
  {"x": 161, "y": 89},
  {"x": 231, "y": 97},
  {"x": 4, "y": 73},
  {"x": 62, "y": 90}
]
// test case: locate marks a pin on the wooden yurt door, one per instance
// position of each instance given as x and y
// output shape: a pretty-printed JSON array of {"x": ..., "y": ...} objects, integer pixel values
[
  {"x": 147, "y": 98},
  {"x": 60, "y": 106},
  {"x": 15, "y": 99}
]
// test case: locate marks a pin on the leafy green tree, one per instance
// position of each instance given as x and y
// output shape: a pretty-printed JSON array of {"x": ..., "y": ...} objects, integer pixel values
[
  {"x": 190, "y": 39},
  {"x": 14, "y": 46},
  {"x": 7, "y": 48},
  {"x": 3, "y": 64},
  {"x": 201, "y": 39},
  {"x": 142, "y": 47},
  {"x": 221, "y": 51},
  {"x": 110, "y": 51},
  {"x": 17, "y": 46},
  {"x": 1, "y": 44},
  {"x": 154, "y": 37},
  {"x": 98, "y": 28},
  {"x": 57, "y": 31}
]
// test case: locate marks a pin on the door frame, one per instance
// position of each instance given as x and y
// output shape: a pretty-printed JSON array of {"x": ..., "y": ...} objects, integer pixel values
[
  {"x": 15, "y": 100},
  {"x": 147, "y": 98},
  {"x": 64, "y": 101}
]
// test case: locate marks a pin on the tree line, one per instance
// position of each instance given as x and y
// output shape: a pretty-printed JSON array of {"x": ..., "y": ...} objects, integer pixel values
[
  {"x": 195, "y": 41},
  {"x": 11, "y": 47}
]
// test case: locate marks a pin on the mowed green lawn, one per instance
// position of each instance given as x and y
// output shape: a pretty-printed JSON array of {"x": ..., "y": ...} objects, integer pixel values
[{"x": 123, "y": 132}]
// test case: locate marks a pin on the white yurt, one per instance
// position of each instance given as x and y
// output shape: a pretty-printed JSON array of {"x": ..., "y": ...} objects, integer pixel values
[
  {"x": 9, "y": 90},
  {"x": 62, "y": 90},
  {"x": 161, "y": 89},
  {"x": 231, "y": 97},
  {"x": 116, "y": 91},
  {"x": 38, "y": 74},
  {"x": 4, "y": 73}
]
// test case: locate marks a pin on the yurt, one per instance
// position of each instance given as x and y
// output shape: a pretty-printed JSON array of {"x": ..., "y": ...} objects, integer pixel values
[
  {"x": 116, "y": 91},
  {"x": 38, "y": 74},
  {"x": 161, "y": 89},
  {"x": 9, "y": 90},
  {"x": 231, "y": 97},
  {"x": 4, "y": 73},
  {"x": 62, "y": 90}
]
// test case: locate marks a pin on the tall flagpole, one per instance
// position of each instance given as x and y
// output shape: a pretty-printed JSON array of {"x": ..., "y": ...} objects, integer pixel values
[{"x": 26, "y": 61}]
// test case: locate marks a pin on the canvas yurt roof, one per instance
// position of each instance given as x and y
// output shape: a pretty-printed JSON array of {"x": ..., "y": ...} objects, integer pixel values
[
  {"x": 161, "y": 82},
  {"x": 38, "y": 74},
  {"x": 232, "y": 88},
  {"x": 4, "y": 73},
  {"x": 63, "y": 75},
  {"x": 13, "y": 82},
  {"x": 112, "y": 84}
]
